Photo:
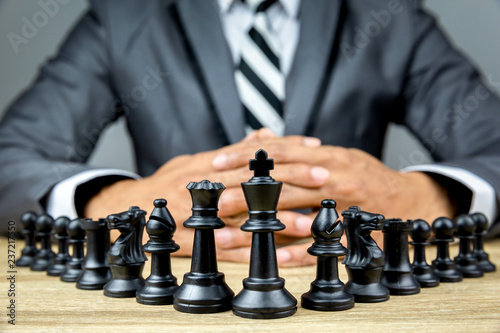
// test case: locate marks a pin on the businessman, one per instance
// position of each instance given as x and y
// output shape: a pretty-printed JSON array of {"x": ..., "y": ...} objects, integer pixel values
[{"x": 204, "y": 84}]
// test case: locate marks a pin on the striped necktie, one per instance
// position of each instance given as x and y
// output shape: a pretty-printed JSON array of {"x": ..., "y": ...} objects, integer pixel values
[{"x": 260, "y": 83}]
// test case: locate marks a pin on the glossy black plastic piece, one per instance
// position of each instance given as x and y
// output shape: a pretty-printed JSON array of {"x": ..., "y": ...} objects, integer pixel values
[
  {"x": 422, "y": 271},
  {"x": 126, "y": 257},
  {"x": 364, "y": 260},
  {"x": 29, "y": 252},
  {"x": 264, "y": 295},
  {"x": 466, "y": 260},
  {"x": 444, "y": 267},
  {"x": 77, "y": 241},
  {"x": 397, "y": 274},
  {"x": 44, "y": 256},
  {"x": 160, "y": 286},
  {"x": 203, "y": 289},
  {"x": 481, "y": 230},
  {"x": 59, "y": 231},
  {"x": 95, "y": 267},
  {"x": 327, "y": 291}
]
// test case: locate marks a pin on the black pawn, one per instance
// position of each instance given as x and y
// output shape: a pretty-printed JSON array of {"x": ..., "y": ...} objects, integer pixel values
[
  {"x": 327, "y": 291},
  {"x": 95, "y": 268},
  {"x": 397, "y": 275},
  {"x": 161, "y": 285},
  {"x": 444, "y": 267},
  {"x": 42, "y": 259},
  {"x": 264, "y": 295},
  {"x": 364, "y": 260},
  {"x": 481, "y": 230},
  {"x": 422, "y": 271},
  {"x": 466, "y": 260},
  {"x": 203, "y": 289},
  {"x": 58, "y": 263},
  {"x": 126, "y": 258},
  {"x": 29, "y": 252},
  {"x": 77, "y": 240}
]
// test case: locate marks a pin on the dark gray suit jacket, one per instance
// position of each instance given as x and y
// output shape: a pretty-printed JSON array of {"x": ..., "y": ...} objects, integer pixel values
[{"x": 166, "y": 67}]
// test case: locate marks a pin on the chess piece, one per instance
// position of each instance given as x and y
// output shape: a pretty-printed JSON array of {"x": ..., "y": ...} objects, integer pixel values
[
  {"x": 95, "y": 268},
  {"x": 444, "y": 267},
  {"x": 42, "y": 259},
  {"x": 264, "y": 295},
  {"x": 203, "y": 289},
  {"x": 422, "y": 271},
  {"x": 481, "y": 230},
  {"x": 364, "y": 260},
  {"x": 466, "y": 260},
  {"x": 327, "y": 291},
  {"x": 58, "y": 263},
  {"x": 77, "y": 240},
  {"x": 397, "y": 273},
  {"x": 161, "y": 285},
  {"x": 29, "y": 252},
  {"x": 126, "y": 257}
]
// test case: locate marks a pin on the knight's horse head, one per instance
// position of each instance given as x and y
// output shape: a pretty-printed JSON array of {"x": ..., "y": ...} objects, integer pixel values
[
  {"x": 369, "y": 222},
  {"x": 131, "y": 225},
  {"x": 359, "y": 225}
]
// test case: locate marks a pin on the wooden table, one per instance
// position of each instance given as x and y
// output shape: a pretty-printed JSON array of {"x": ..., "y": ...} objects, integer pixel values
[{"x": 45, "y": 303}]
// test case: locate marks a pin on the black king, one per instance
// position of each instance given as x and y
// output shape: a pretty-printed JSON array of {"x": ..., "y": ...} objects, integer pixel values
[{"x": 264, "y": 295}]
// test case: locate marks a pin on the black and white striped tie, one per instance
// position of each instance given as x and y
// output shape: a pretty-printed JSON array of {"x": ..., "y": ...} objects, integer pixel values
[{"x": 259, "y": 81}]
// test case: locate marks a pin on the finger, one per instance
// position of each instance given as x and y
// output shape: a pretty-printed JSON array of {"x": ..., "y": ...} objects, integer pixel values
[
  {"x": 297, "y": 174},
  {"x": 295, "y": 255},
  {"x": 281, "y": 149},
  {"x": 241, "y": 254},
  {"x": 232, "y": 200},
  {"x": 297, "y": 224},
  {"x": 232, "y": 237}
]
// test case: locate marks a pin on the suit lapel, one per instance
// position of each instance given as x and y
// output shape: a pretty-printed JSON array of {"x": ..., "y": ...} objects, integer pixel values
[
  {"x": 318, "y": 21},
  {"x": 202, "y": 25}
]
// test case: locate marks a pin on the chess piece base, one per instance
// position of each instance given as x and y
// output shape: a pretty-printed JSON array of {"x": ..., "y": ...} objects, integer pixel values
[
  {"x": 425, "y": 276},
  {"x": 158, "y": 292},
  {"x": 203, "y": 293},
  {"x": 264, "y": 299},
  {"x": 27, "y": 258},
  {"x": 400, "y": 283},
  {"x": 125, "y": 282},
  {"x": 485, "y": 265},
  {"x": 365, "y": 285},
  {"x": 40, "y": 263},
  {"x": 56, "y": 269},
  {"x": 326, "y": 299},
  {"x": 447, "y": 271},
  {"x": 93, "y": 279},
  {"x": 71, "y": 274}
]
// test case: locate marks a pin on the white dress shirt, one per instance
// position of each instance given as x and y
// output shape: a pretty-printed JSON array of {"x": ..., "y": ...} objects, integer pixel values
[{"x": 237, "y": 19}]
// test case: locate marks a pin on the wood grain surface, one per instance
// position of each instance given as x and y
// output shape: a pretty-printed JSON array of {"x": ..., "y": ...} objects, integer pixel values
[{"x": 45, "y": 304}]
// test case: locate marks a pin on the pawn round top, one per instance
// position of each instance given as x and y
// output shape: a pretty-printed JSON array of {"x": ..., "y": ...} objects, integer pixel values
[
  {"x": 481, "y": 222},
  {"x": 44, "y": 223},
  {"x": 465, "y": 225},
  {"x": 160, "y": 203},
  {"x": 328, "y": 203},
  {"x": 75, "y": 230},
  {"x": 421, "y": 231},
  {"x": 443, "y": 228},
  {"x": 28, "y": 220},
  {"x": 60, "y": 225}
]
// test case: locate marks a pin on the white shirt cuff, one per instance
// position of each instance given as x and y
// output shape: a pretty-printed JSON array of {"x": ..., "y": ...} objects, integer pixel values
[
  {"x": 61, "y": 200},
  {"x": 483, "y": 194}
]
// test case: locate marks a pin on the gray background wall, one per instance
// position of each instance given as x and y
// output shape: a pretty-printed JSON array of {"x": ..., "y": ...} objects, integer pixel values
[{"x": 474, "y": 26}]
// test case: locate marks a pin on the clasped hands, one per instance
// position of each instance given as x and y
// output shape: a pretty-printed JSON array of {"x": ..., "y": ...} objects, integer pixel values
[{"x": 310, "y": 172}]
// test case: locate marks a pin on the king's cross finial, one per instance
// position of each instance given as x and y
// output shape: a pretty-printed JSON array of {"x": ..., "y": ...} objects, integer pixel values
[{"x": 261, "y": 164}]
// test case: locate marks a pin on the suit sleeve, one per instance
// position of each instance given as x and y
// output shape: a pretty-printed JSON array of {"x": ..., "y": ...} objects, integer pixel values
[
  {"x": 50, "y": 131},
  {"x": 448, "y": 107}
]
